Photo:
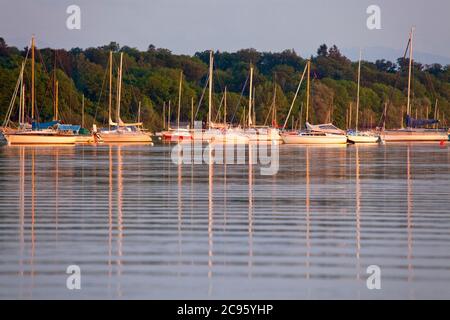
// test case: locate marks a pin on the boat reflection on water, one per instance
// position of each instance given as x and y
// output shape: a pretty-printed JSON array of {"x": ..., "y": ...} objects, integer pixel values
[
  {"x": 307, "y": 211},
  {"x": 410, "y": 219},
  {"x": 141, "y": 226},
  {"x": 210, "y": 220}
]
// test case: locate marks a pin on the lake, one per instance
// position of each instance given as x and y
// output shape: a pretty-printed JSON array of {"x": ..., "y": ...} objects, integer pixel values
[{"x": 140, "y": 226}]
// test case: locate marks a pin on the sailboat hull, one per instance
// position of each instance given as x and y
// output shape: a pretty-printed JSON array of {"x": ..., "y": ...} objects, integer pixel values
[
  {"x": 363, "y": 139},
  {"x": 314, "y": 139},
  {"x": 263, "y": 135},
  {"x": 30, "y": 139},
  {"x": 413, "y": 136},
  {"x": 177, "y": 135},
  {"x": 230, "y": 137},
  {"x": 85, "y": 139},
  {"x": 204, "y": 135},
  {"x": 131, "y": 137}
]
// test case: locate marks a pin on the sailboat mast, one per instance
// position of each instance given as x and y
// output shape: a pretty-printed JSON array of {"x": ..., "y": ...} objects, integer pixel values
[
  {"x": 56, "y": 115},
  {"x": 192, "y": 112},
  {"x": 164, "y": 115},
  {"x": 254, "y": 106},
  {"x": 250, "y": 98},
  {"x": 117, "y": 92},
  {"x": 179, "y": 99},
  {"x": 350, "y": 115},
  {"x": 110, "y": 90},
  {"x": 120, "y": 90},
  {"x": 435, "y": 112},
  {"x": 225, "y": 108},
  {"x": 32, "y": 77},
  {"x": 274, "y": 104},
  {"x": 301, "y": 116},
  {"x": 23, "y": 104},
  {"x": 357, "y": 95},
  {"x": 168, "y": 117},
  {"x": 408, "y": 107},
  {"x": 82, "y": 111},
  {"x": 308, "y": 90},
  {"x": 211, "y": 61},
  {"x": 139, "y": 112},
  {"x": 21, "y": 100}
]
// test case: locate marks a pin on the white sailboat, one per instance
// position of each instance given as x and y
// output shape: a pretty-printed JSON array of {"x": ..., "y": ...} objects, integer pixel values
[
  {"x": 226, "y": 134},
  {"x": 252, "y": 131},
  {"x": 411, "y": 134},
  {"x": 35, "y": 134},
  {"x": 178, "y": 134},
  {"x": 209, "y": 133},
  {"x": 315, "y": 134},
  {"x": 120, "y": 132},
  {"x": 217, "y": 133},
  {"x": 358, "y": 136}
]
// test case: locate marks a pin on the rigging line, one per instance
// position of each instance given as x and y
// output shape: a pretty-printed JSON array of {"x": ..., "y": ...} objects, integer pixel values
[
  {"x": 382, "y": 122},
  {"x": 58, "y": 57},
  {"x": 272, "y": 106},
  {"x": 295, "y": 96},
  {"x": 202, "y": 96},
  {"x": 13, "y": 98},
  {"x": 428, "y": 77},
  {"x": 131, "y": 84},
  {"x": 240, "y": 98},
  {"x": 221, "y": 101},
  {"x": 62, "y": 66},
  {"x": 218, "y": 109},
  {"x": 100, "y": 96},
  {"x": 268, "y": 114},
  {"x": 47, "y": 89}
]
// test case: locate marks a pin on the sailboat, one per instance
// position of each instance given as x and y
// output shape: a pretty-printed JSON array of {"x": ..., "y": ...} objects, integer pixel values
[
  {"x": 37, "y": 133},
  {"x": 216, "y": 132},
  {"x": 358, "y": 136},
  {"x": 411, "y": 133},
  {"x": 85, "y": 136},
  {"x": 228, "y": 134},
  {"x": 120, "y": 132},
  {"x": 252, "y": 131},
  {"x": 178, "y": 134},
  {"x": 315, "y": 134}
]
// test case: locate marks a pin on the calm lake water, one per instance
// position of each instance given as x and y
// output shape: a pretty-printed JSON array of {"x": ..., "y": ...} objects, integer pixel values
[{"x": 140, "y": 226}]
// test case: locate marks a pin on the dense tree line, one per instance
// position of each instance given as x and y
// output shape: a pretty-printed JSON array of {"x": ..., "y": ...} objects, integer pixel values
[{"x": 152, "y": 78}]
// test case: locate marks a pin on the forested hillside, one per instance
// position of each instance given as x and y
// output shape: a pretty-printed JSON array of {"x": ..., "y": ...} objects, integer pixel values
[{"x": 152, "y": 77}]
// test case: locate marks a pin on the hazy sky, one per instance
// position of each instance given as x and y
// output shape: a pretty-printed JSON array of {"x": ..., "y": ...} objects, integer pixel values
[{"x": 187, "y": 26}]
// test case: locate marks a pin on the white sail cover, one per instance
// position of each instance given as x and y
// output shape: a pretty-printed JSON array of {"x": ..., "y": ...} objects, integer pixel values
[{"x": 325, "y": 128}]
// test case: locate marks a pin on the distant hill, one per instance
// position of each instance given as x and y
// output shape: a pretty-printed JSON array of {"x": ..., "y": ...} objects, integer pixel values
[
  {"x": 376, "y": 53},
  {"x": 152, "y": 77}
]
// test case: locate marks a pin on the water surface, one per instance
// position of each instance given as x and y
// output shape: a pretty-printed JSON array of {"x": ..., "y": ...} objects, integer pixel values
[{"x": 140, "y": 226}]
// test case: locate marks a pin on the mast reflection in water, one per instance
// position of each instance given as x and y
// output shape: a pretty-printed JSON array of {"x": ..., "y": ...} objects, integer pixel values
[{"x": 140, "y": 226}]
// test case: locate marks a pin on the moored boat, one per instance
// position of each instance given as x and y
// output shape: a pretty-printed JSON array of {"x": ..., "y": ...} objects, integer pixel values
[
  {"x": 39, "y": 138},
  {"x": 414, "y": 135},
  {"x": 35, "y": 133},
  {"x": 179, "y": 134},
  {"x": 322, "y": 134},
  {"x": 230, "y": 136},
  {"x": 313, "y": 138},
  {"x": 415, "y": 130},
  {"x": 124, "y": 135},
  {"x": 358, "y": 136},
  {"x": 120, "y": 132},
  {"x": 362, "y": 137}
]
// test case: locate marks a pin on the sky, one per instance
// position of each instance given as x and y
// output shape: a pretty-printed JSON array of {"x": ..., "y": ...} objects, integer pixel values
[{"x": 188, "y": 26}]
